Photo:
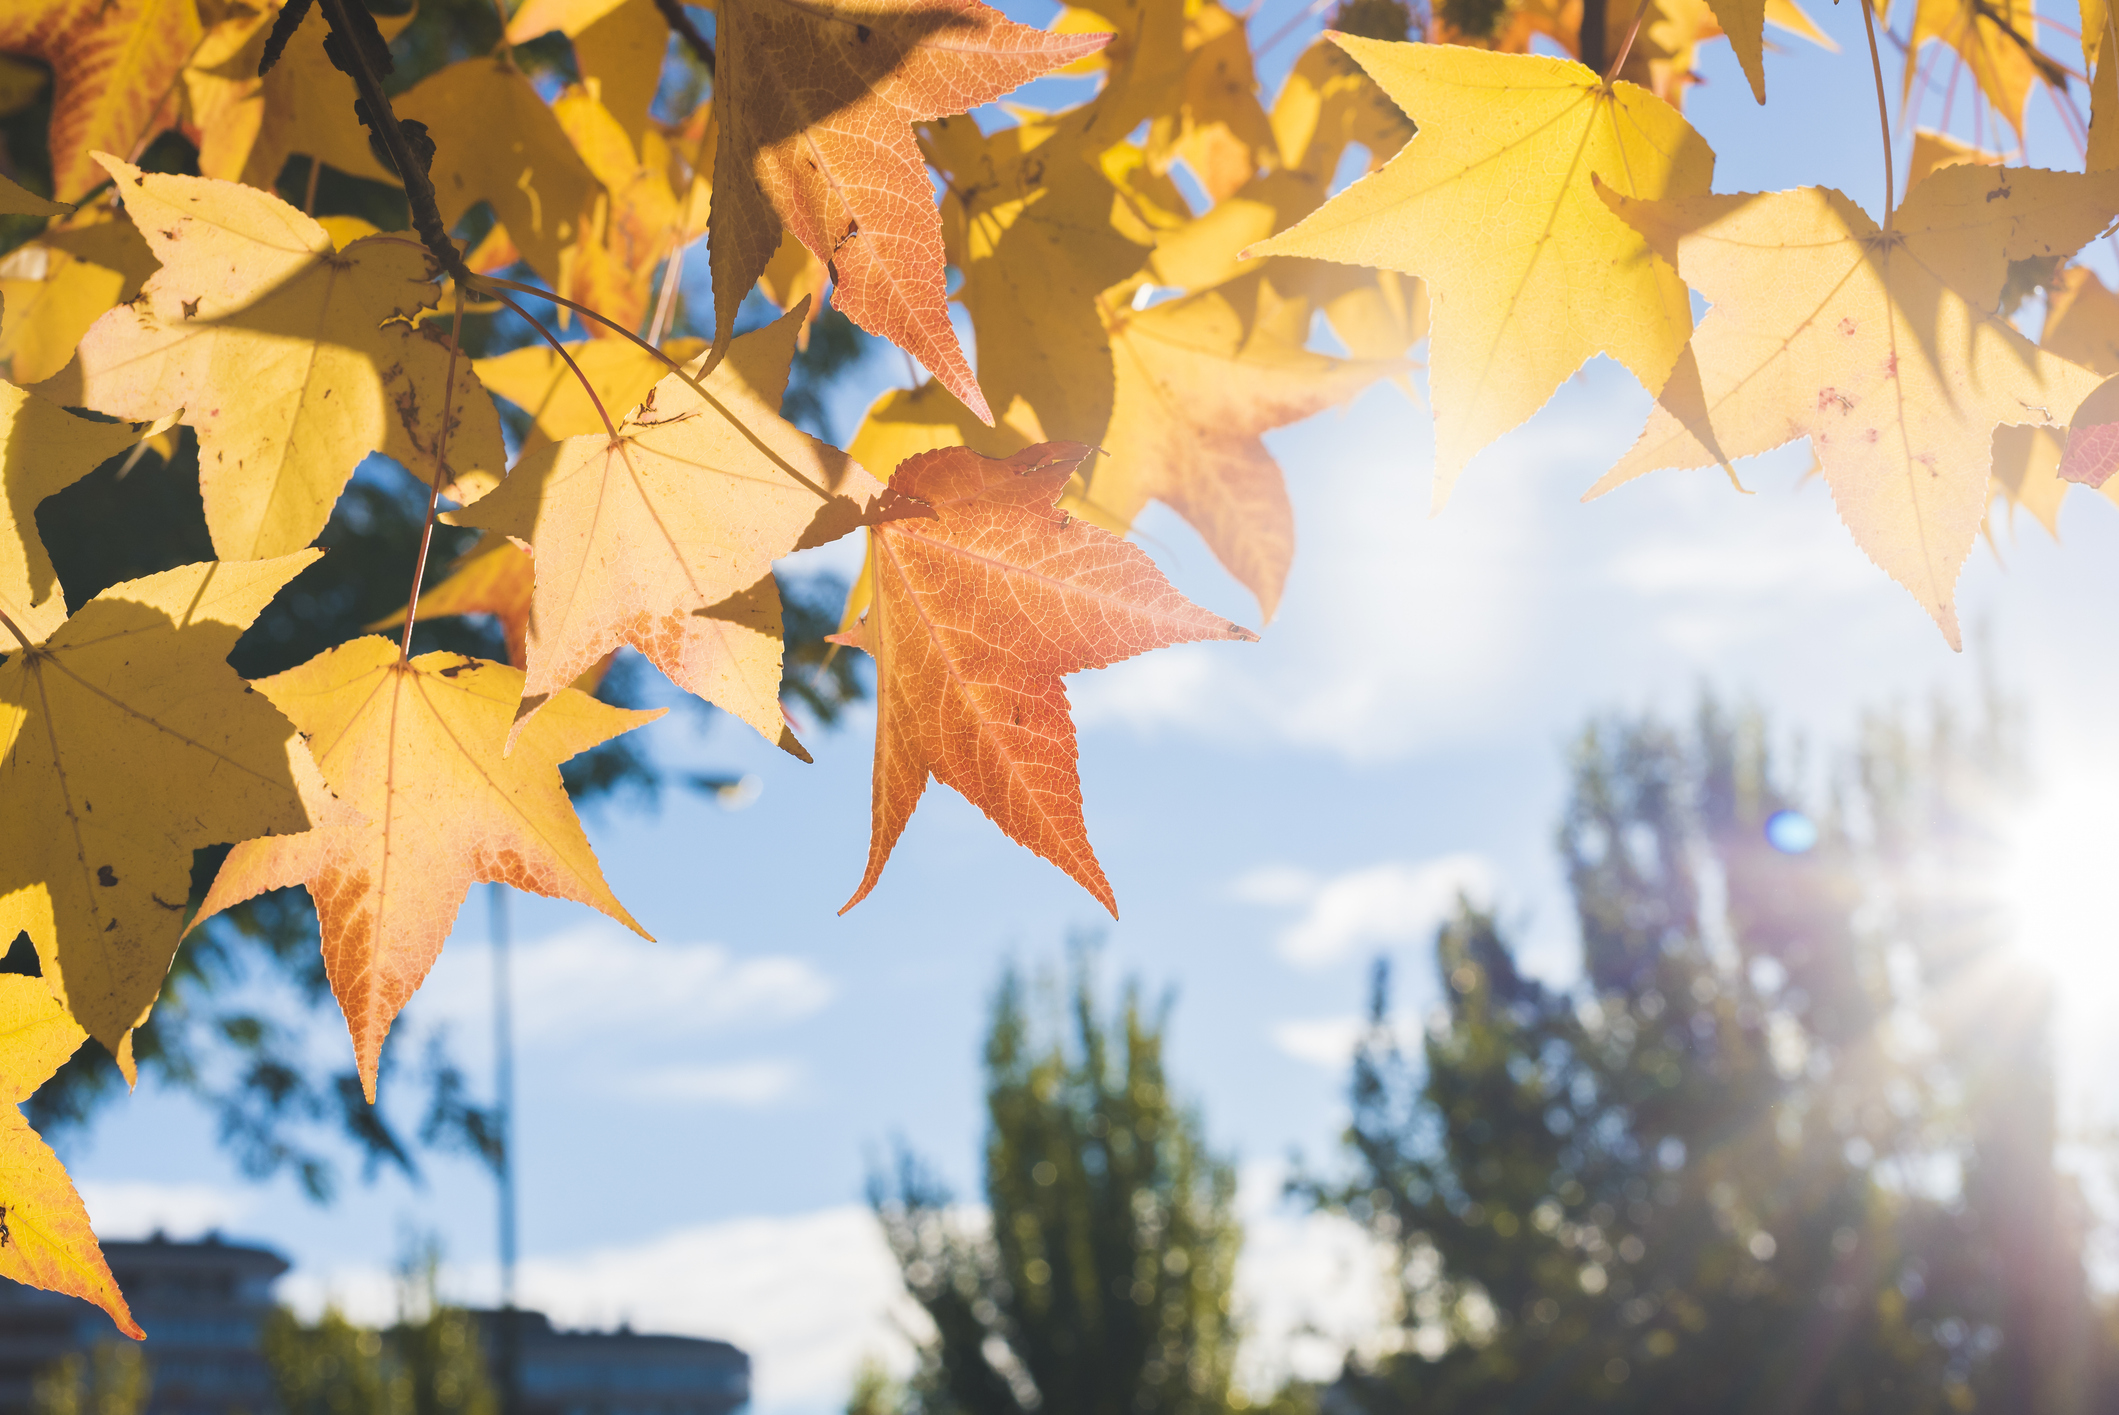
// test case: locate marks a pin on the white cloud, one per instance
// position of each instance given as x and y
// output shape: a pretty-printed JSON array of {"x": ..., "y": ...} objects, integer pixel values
[
  {"x": 1321, "y": 1041},
  {"x": 1309, "y": 1287},
  {"x": 138, "y": 1208},
  {"x": 742, "y": 1083},
  {"x": 1392, "y": 902},
  {"x": 602, "y": 980},
  {"x": 810, "y": 1296}
]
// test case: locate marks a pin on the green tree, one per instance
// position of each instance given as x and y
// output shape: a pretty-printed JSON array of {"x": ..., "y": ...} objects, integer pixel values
[
  {"x": 110, "y": 1378},
  {"x": 1786, "y": 1147},
  {"x": 1102, "y": 1285}
]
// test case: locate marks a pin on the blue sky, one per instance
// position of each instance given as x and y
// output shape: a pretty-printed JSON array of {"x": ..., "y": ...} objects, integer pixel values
[{"x": 696, "y": 1116}]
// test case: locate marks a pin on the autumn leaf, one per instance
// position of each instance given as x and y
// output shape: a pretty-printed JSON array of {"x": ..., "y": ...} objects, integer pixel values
[
  {"x": 1216, "y": 125},
  {"x": 1934, "y": 151},
  {"x": 977, "y": 614},
  {"x": 1884, "y": 349},
  {"x": 303, "y": 106},
  {"x": 275, "y": 346},
  {"x": 492, "y": 577},
  {"x": 816, "y": 106},
  {"x": 1522, "y": 291},
  {"x": 45, "y": 1238},
  {"x": 415, "y": 749},
  {"x": 1042, "y": 222},
  {"x": 535, "y": 379},
  {"x": 53, "y": 288},
  {"x": 663, "y": 538},
  {"x": 618, "y": 45},
  {"x": 129, "y": 743},
  {"x": 1327, "y": 104},
  {"x": 43, "y": 450},
  {"x": 496, "y": 141},
  {"x": 632, "y": 225},
  {"x": 1197, "y": 384},
  {"x": 1743, "y": 21},
  {"x": 1997, "y": 41},
  {"x": 115, "y": 66},
  {"x": 14, "y": 201}
]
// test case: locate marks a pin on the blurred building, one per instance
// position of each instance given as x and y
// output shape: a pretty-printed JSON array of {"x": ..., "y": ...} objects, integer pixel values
[
  {"x": 201, "y": 1304},
  {"x": 620, "y": 1372},
  {"x": 204, "y": 1303}
]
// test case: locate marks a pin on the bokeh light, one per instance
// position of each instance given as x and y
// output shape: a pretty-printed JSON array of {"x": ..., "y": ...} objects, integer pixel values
[{"x": 1791, "y": 832}]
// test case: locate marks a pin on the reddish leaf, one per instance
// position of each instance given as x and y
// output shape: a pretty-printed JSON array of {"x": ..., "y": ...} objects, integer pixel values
[{"x": 977, "y": 613}]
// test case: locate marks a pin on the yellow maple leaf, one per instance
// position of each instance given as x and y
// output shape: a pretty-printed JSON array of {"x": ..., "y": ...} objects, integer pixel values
[
  {"x": 1214, "y": 123},
  {"x": 274, "y": 344},
  {"x": 633, "y": 223},
  {"x": 496, "y": 141},
  {"x": 53, "y": 288},
  {"x": 1042, "y": 221},
  {"x": 115, "y": 71},
  {"x": 45, "y": 1238},
  {"x": 415, "y": 749},
  {"x": 1328, "y": 104},
  {"x": 1529, "y": 274},
  {"x": 664, "y": 536},
  {"x": 1933, "y": 151},
  {"x": 1197, "y": 383},
  {"x": 619, "y": 45},
  {"x": 15, "y": 201},
  {"x": 816, "y": 106},
  {"x": 1884, "y": 349},
  {"x": 44, "y": 449},
  {"x": 251, "y": 125},
  {"x": 537, "y": 380},
  {"x": 129, "y": 742},
  {"x": 1997, "y": 39}
]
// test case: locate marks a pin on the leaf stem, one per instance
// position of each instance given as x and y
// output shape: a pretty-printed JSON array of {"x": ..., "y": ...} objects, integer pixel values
[
  {"x": 15, "y": 629},
  {"x": 441, "y": 464},
  {"x": 1883, "y": 111},
  {"x": 561, "y": 349},
  {"x": 586, "y": 313},
  {"x": 1626, "y": 46}
]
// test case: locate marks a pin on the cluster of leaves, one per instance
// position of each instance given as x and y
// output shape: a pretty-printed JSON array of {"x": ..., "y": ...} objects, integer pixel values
[{"x": 1133, "y": 345}]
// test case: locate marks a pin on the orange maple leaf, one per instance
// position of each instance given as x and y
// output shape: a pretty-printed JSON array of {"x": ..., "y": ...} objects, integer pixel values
[
  {"x": 115, "y": 66},
  {"x": 816, "y": 105},
  {"x": 664, "y": 536},
  {"x": 977, "y": 613},
  {"x": 413, "y": 749}
]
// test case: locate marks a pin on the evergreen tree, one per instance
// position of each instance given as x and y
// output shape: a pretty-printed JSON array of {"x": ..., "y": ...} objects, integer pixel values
[
  {"x": 1788, "y": 1145},
  {"x": 1102, "y": 1285}
]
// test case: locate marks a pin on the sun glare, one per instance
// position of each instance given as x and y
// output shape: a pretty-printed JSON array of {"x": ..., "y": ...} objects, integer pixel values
[{"x": 2064, "y": 909}]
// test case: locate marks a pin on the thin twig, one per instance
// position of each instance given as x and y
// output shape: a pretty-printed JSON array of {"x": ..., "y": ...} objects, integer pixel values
[
  {"x": 441, "y": 466},
  {"x": 1883, "y": 112},
  {"x": 681, "y": 23},
  {"x": 12, "y": 628},
  {"x": 309, "y": 195}
]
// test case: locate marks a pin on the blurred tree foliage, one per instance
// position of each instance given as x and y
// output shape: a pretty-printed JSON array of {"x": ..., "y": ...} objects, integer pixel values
[
  {"x": 110, "y": 1378},
  {"x": 429, "y": 1363},
  {"x": 1787, "y": 1147},
  {"x": 1103, "y": 1282},
  {"x": 141, "y": 513}
]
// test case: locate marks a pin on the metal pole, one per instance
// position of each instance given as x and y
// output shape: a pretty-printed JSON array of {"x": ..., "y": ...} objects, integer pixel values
[{"x": 504, "y": 1127}]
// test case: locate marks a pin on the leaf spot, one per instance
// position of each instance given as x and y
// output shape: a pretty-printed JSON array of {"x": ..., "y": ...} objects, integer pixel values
[{"x": 106, "y": 876}]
